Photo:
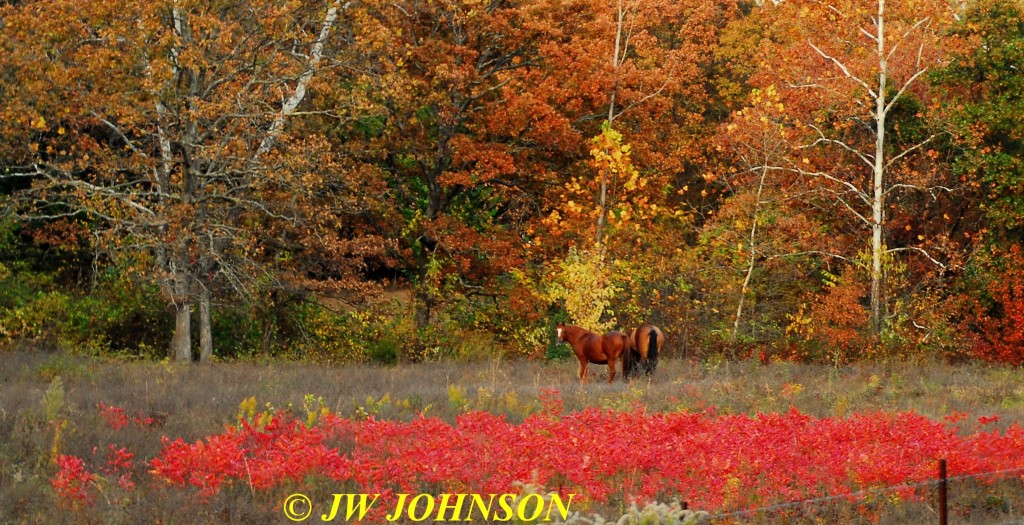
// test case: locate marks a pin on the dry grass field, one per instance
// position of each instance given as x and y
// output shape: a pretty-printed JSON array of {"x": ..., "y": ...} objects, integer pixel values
[{"x": 194, "y": 401}]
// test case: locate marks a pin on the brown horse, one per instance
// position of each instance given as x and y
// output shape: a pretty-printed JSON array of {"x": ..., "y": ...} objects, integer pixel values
[
  {"x": 592, "y": 348},
  {"x": 642, "y": 356}
]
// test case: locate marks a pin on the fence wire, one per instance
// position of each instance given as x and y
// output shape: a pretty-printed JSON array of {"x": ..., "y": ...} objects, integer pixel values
[{"x": 988, "y": 478}]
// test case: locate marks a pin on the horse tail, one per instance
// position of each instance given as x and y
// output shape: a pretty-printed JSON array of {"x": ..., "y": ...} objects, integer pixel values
[
  {"x": 652, "y": 350},
  {"x": 627, "y": 358}
]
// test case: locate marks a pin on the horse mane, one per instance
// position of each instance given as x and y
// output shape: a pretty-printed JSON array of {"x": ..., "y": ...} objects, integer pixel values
[{"x": 575, "y": 332}]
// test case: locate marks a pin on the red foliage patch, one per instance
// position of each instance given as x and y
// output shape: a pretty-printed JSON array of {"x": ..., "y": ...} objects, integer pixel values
[
  {"x": 73, "y": 483},
  {"x": 999, "y": 326},
  {"x": 713, "y": 462},
  {"x": 117, "y": 418}
]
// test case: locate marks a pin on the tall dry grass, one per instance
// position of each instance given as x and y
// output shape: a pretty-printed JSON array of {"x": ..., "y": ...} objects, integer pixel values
[{"x": 194, "y": 401}]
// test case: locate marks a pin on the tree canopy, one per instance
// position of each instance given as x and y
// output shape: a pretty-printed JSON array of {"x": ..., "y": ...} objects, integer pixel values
[{"x": 416, "y": 179}]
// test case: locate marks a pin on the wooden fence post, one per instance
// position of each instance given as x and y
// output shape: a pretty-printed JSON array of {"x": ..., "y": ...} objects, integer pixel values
[{"x": 943, "y": 511}]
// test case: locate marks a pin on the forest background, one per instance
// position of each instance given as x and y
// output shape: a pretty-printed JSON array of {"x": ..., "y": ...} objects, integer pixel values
[{"x": 403, "y": 181}]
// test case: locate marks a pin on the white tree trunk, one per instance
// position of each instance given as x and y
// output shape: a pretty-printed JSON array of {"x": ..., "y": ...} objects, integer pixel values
[
  {"x": 618, "y": 57},
  {"x": 878, "y": 183},
  {"x": 876, "y": 192},
  {"x": 752, "y": 259}
]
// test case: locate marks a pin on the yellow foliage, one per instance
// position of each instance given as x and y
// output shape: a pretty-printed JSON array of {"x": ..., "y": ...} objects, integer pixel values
[
  {"x": 512, "y": 400},
  {"x": 247, "y": 410},
  {"x": 315, "y": 408},
  {"x": 457, "y": 397},
  {"x": 623, "y": 187},
  {"x": 584, "y": 284},
  {"x": 800, "y": 323}
]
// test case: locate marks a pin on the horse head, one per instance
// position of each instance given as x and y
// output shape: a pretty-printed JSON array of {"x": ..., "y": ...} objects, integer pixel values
[{"x": 560, "y": 331}]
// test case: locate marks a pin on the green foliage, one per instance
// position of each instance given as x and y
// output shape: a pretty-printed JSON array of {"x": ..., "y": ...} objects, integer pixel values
[
  {"x": 328, "y": 336},
  {"x": 53, "y": 400},
  {"x": 53, "y": 408},
  {"x": 985, "y": 83},
  {"x": 384, "y": 333},
  {"x": 457, "y": 398},
  {"x": 384, "y": 350},
  {"x": 32, "y": 316},
  {"x": 371, "y": 126},
  {"x": 239, "y": 332},
  {"x": 476, "y": 207},
  {"x": 116, "y": 317},
  {"x": 44, "y": 299}
]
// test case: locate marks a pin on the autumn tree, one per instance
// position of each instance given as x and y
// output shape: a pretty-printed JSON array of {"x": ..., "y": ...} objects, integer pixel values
[
  {"x": 631, "y": 79},
  {"x": 164, "y": 125},
  {"x": 631, "y": 75},
  {"x": 982, "y": 85},
  {"x": 760, "y": 238},
  {"x": 852, "y": 76},
  {"x": 454, "y": 130}
]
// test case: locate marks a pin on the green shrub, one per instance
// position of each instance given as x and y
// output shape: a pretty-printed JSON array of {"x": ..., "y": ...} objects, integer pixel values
[
  {"x": 320, "y": 334},
  {"x": 116, "y": 317}
]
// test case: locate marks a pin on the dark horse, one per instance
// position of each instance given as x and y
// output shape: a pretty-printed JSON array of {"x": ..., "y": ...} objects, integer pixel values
[
  {"x": 642, "y": 356},
  {"x": 592, "y": 348}
]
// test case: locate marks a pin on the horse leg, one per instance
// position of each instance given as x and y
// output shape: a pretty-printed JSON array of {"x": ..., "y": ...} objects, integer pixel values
[
  {"x": 583, "y": 371},
  {"x": 643, "y": 363},
  {"x": 627, "y": 363},
  {"x": 611, "y": 369}
]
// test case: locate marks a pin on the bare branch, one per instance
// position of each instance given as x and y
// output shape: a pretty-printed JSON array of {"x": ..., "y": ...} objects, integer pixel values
[
  {"x": 865, "y": 32},
  {"x": 817, "y": 252},
  {"x": 805, "y": 86},
  {"x": 629, "y": 34},
  {"x": 905, "y": 35},
  {"x": 920, "y": 250},
  {"x": 644, "y": 99},
  {"x": 121, "y": 134},
  {"x": 930, "y": 189},
  {"x": 852, "y": 189},
  {"x": 300, "y": 88},
  {"x": 848, "y": 185},
  {"x": 842, "y": 67},
  {"x": 864, "y": 157},
  {"x": 903, "y": 89},
  {"x": 909, "y": 150}
]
